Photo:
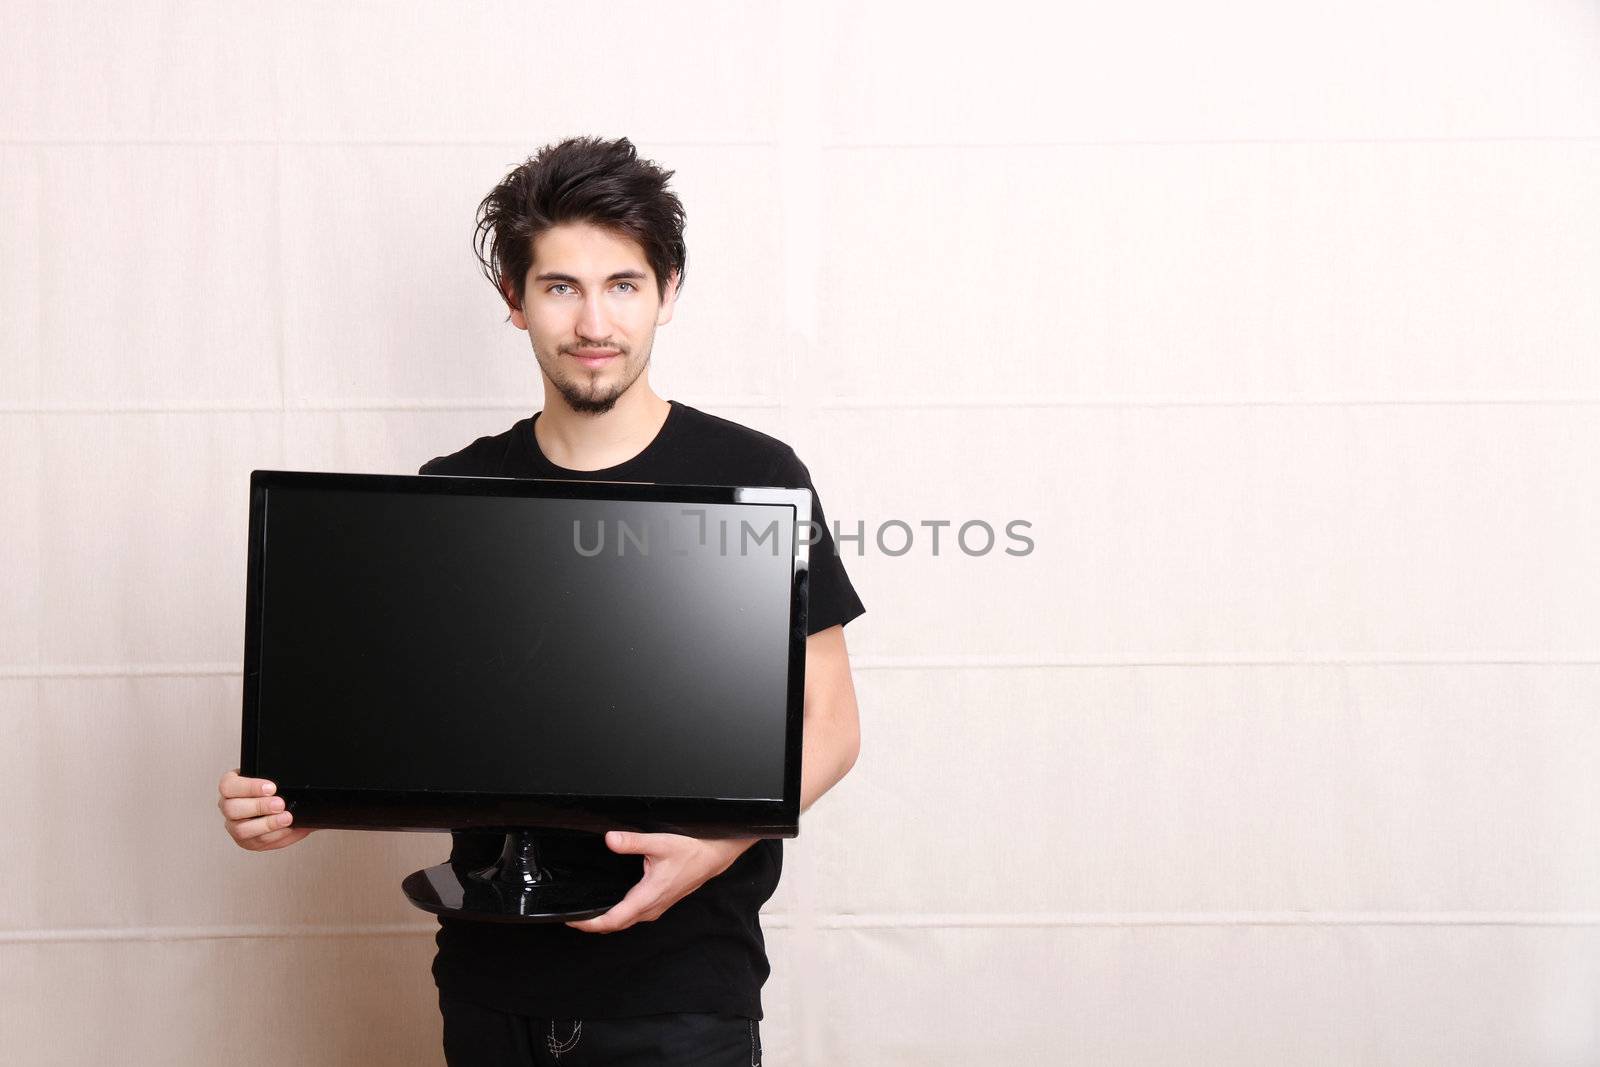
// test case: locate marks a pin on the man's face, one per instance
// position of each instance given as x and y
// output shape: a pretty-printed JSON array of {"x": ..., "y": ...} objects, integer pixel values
[{"x": 591, "y": 310}]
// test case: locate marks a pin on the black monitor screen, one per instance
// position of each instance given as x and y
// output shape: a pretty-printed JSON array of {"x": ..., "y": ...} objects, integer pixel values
[{"x": 509, "y": 644}]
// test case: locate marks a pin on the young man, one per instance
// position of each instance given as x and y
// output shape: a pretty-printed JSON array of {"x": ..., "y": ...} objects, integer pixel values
[{"x": 584, "y": 242}]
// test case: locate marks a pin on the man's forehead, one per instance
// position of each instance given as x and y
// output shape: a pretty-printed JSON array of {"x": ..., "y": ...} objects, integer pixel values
[{"x": 584, "y": 249}]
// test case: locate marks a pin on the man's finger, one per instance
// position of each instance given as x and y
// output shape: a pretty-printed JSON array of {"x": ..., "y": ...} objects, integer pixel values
[
  {"x": 253, "y": 828},
  {"x": 623, "y": 914},
  {"x": 626, "y": 843},
  {"x": 247, "y": 807},
  {"x": 287, "y": 836},
  {"x": 234, "y": 786}
]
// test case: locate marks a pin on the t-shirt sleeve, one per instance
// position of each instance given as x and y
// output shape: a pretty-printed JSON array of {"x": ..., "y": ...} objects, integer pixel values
[{"x": 833, "y": 599}]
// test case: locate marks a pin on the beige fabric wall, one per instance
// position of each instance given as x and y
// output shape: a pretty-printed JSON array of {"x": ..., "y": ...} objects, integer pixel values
[{"x": 1277, "y": 321}]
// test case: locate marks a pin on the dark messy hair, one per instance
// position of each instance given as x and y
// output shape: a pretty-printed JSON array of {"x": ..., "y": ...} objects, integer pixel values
[{"x": 580, "y": 179}]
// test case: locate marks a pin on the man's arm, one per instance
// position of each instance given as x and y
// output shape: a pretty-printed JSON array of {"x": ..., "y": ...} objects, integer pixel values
[
  {"x": 675, "y": 866},
  {"x": 832, "y": 737}
]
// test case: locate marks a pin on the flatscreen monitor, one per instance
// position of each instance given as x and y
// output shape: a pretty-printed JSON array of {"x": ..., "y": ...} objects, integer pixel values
[{"x": 525, "y": 655}]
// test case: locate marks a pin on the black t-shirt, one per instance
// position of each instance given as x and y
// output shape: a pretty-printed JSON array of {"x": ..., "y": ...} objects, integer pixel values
[{"x": 705, "y": 953}]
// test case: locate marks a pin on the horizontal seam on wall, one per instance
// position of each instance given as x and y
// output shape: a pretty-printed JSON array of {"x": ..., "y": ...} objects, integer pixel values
[
  {"x": 861, "y": 922},
  {"x": 826, "y": 145},
  {"x": 1287, "y": 918},
  {"x": 836, "y": 404},
  {"x": 334, "y": 407},
  {"x": 907, "y": 663},
  {"x": 885, "y": 663},
  {"x": 1173, "y": 401},
  {"x": 1184, "y": 142},
  {"x": 312, "y": 142}
]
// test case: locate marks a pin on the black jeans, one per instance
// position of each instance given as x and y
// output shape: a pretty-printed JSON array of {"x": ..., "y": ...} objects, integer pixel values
[{"x": 475, "y": 1036}]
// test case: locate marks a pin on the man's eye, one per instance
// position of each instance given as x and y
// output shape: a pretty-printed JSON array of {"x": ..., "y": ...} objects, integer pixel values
[
  {"x": 630, "y": 286},
  {"x": 559, "y": 285}
]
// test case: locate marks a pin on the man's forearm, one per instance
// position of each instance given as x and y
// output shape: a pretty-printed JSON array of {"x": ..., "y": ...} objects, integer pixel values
[
  {"x": 832, "y": 731},
  {"x": 831, "y": 734},
  {"x": 827, "y": 754}
]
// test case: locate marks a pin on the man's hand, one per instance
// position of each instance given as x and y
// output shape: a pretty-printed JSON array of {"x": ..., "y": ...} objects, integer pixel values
[
  {"x": 254, "y": 817},
  {"x": 674, "y": 867}
]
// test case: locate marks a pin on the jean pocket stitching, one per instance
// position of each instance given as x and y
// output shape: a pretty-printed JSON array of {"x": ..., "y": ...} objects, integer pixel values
[{"x": 561, "y": 1048}]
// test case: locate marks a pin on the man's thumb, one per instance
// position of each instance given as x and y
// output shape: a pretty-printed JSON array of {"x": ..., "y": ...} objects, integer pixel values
[{"x": 625, "y": 844}]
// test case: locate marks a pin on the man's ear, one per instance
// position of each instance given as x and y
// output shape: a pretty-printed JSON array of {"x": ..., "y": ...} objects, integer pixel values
[
  {"x": 669, "y": 300},
  {"x": 509, "y": 291}
]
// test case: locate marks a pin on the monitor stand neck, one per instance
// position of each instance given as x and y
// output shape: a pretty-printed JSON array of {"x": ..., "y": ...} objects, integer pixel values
[
  {"x": 518, "y": 867},
  {"x": 516, "y": 888}
]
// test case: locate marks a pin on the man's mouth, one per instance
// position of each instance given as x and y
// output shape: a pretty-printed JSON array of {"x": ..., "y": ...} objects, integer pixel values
[{"x": 594, "y": 357}]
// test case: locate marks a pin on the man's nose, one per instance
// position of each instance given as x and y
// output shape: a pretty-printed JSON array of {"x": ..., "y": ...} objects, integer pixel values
[{"x": 593, "y": 323}]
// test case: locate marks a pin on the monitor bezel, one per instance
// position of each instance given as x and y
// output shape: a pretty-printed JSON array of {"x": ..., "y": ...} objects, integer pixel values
[{"x": 433, "y": 810}]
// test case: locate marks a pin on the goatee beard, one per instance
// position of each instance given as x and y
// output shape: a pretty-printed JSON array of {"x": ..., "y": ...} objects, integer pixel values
[{"x": 587, "y": 405}]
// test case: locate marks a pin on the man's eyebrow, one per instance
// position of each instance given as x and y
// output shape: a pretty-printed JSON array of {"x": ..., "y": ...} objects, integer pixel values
[{"x": 621, "y": 275}]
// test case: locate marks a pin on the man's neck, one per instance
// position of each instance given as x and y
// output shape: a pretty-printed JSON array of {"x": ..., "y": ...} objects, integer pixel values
[{"x": 584, "y": 442}]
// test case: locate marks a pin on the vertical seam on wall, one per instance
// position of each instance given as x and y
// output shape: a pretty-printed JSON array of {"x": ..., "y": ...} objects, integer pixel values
[
  {"x": 281, "y": 287},
  {"x": 799, "y": 181}
]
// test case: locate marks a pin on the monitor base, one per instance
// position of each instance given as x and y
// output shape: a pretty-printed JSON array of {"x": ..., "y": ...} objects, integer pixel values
[{"x": 515, "y": 889}]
